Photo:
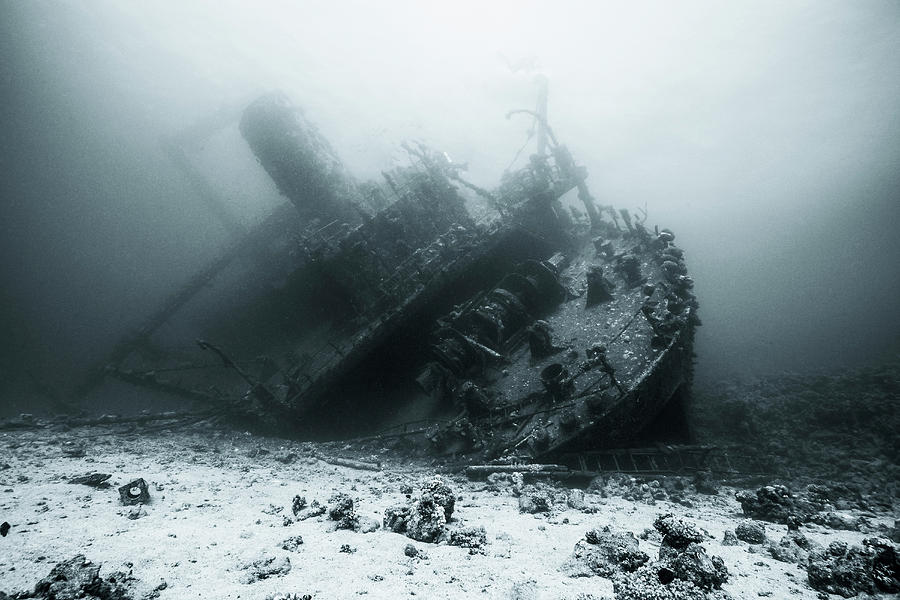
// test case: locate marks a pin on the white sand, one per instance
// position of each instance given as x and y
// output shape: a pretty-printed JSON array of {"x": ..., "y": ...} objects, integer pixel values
[{"x": 206, "y": 518}]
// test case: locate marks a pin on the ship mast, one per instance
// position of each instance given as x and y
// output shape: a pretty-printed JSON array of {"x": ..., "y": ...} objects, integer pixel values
[
  {"x": 543, "y": 130},
  {"x": 541, "y": 110}
]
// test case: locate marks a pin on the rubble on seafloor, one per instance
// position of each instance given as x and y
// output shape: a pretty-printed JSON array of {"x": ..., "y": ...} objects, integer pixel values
[
  {"x": 779, "y": 523},
  {"x": 605, "y": 553},
  {"x": 817, "y": 504},
  {"x": 850, "y": 570},
  {"x": 134, "y": 492},
  {"x": 94, "y": 480},
  {"x": 292, "y": 544},
  {"x": 302, "y": 511},
  {"x": 264, "y": 566},
  {"x": 78, "y": 578},
  {"x": 473, "y": 538},
  {"x": 682, "y": 570},
  {"x": 836, "y": 427},
  {"x": 752, "y": 532},
  {"x": 682, "y": 556},
  {"x": 794, "y": 547},
  {"x": 342, "y": 512},
  {"x": 424, "y": 517}
]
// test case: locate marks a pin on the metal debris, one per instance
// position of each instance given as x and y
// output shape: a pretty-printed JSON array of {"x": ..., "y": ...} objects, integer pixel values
[{"x": 135, "y": 492}]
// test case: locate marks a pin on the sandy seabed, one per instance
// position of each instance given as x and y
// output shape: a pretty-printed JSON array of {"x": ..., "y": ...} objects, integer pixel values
[{"x": 221, "y": 499}]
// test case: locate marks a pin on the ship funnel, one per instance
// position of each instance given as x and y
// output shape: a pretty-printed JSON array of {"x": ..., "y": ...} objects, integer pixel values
[{"x": 300, "y": 160}]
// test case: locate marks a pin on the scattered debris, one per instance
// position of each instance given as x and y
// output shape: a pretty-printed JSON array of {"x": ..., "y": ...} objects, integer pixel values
[
  {"x": 793, "y": 548},
  {"x": 396, "y": 518},
  {"x": 479, "y": 471},
  {"x": 303, "y": 512},
  {"x": 426, "y": 520},
  {"x": 473, "y": 538},
  {"x": 682, "y": 557},
  {"x": 695, "y": 565},
  {"x": 298, "y": 504},
  {"x": 677, "y": 534},
  {"x": 683, "y": 570},
  {"x": 605, "y": 553},
  {"x": 80, "y": 578},
  {"x": 341, "y": 509},
  {"x": 533, "y": 502},
  {"x": 648, "y": 583},
  {"x": 751, "y": 532},
  {"x": 840, "y": 496},
  {"x": 264, "y": 567},
  {"x": 94, "y": 480},
  {"x": 885, "y": 565},
  {"x": 835, "y": 520},
  {"x": 443, "y": 496},
  {"x": 135, "y": 492},
  {"x": 638, "y": 490},
  {"x": 353, "y": 464},
  {"x": 425, "y": 516},
  {"x": 848, "y": 571},
  {"x": 292, "y": 544},
  {"x": 775, "y": 503}
]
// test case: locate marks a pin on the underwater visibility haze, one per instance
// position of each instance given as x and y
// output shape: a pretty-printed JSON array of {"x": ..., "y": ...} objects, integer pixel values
[
  {"x": 764, "y": 134},
  {"x": 503, "y": 299}
]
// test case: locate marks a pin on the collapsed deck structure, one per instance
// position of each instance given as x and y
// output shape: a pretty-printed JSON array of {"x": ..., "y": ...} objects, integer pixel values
[{"x": 523, "y": 320}]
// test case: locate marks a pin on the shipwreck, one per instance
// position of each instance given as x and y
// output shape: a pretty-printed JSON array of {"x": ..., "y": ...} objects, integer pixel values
[{"x": 525, "y": 320}]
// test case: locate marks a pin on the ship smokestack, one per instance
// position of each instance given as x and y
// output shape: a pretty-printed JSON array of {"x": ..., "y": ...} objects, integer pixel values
[{"x": 300, "y": 160}]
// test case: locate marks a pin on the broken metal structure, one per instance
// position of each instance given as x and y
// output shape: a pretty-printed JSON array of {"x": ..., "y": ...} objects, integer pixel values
[{"x": 520, "y": 321}]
